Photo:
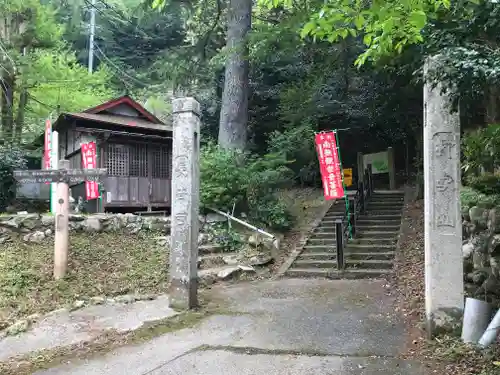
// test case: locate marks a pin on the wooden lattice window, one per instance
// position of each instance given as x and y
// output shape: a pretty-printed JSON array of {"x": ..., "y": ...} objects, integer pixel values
[
  {"x": 161, "y": 161},
  {"x": 138, "y": 160},
  {"x": 75, "y": 161},
  {"x": 117, "y": 161}
]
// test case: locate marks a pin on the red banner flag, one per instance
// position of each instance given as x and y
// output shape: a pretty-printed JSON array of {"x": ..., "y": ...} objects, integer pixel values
[
  {"x": 329, "y": 163},
  {"x": 89, "y": 160},
  {"x": 47, "y": 146}
]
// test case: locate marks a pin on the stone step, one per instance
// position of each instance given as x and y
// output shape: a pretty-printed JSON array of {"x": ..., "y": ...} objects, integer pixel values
[
  {"x": 389, "y": 193},
  {"x": 314, "y": 263},
  {"x": 323, "y": 234},
  {"x": 381, "y": 216},
  {"x": 336, "y": 274},
  {"x": 361, "y": 226},
  {"x": 353, "y": 274},
  {"x": 307, "y": 272},
  {"x": 363, "y": 248},
  {"x": 376, "y": 234},
  {"x": 387, "y": 213},
  {"x": 372, "y": 207},
  {"x": 327, "y": 255},
  {"x": 321, "y": 241},
  {"x": 325, "y": 229},
  {"x": 210, "y": 249},
  {"x": 387, "y": 255},
  {"x": 384, "y": 206},
  {"x": 209, "y": 260},
  {"x": 386, "y": 199},
  {"x": 363, "y": 221},
  {"x": 369, "y": 264},
  {"x": 373, "y": 241},
  {"x": 319, "y": 248},
  {"x": 332, "y": 218}
]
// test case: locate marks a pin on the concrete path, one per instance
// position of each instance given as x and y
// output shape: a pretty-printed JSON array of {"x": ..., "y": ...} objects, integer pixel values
[
  {"x": 66, "y": 328},
  {"x": 288, "y": 326}
]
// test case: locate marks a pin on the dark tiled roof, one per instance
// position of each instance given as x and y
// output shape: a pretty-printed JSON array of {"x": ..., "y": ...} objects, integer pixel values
[{"x": 127, "y": 121}]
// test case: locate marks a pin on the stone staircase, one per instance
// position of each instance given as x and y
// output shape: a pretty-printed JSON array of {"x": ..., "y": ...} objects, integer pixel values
[{"x": 369, "y": 254}]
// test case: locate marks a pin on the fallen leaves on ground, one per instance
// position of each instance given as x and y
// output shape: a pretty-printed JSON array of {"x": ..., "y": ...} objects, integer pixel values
[
  {"x": 445, "y": 354},
  {"x": 99, "y": 264}
]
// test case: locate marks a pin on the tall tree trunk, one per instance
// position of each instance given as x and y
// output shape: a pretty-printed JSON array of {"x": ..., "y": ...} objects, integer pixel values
[
  {"x": 7, "y": 84},
  {"x": 23, "y": 100},
  {"x": 234, "y": 111},
  {"x": 492, "y": 104}
]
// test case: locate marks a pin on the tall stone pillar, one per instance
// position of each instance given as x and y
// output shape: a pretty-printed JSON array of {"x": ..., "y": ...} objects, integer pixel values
[
  {"x": 185, "y": 204},
  {"x": 444, "y": 289}
]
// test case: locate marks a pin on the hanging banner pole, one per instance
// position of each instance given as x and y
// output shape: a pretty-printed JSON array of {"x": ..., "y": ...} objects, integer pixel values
[
  {"x": 331, "y": 174},
  {"x": 54, "y": 164},
  {"x": 348, "y": 210}
]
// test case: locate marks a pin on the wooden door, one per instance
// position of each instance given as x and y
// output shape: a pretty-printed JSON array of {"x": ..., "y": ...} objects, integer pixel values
[
  {"x": 160, "y": 160},
  {"x": 139, "y": 181}
]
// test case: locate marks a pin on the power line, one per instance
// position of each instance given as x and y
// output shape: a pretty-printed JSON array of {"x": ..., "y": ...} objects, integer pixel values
[
  {"x": 121, "y": 18},
  {"x": 40, "y": 102},
  {"x": 117, "y": 68}
]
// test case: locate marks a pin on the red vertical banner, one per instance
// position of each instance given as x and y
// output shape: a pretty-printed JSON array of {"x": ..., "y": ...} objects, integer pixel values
[
  {"x": 47, "y": 145},
  {"x": 329, "y": 163},
  {"x": 89, "y": 161}
]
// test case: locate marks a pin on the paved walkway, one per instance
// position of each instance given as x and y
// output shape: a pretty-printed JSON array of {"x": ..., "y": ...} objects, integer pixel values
[{"x": 288, "y": 326}]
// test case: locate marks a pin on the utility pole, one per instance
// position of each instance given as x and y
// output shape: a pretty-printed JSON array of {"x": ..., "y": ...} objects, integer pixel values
[{"x": 92, "y": 32}]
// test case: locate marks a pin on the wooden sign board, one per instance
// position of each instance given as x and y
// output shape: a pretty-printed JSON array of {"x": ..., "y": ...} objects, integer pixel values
[
  {"x": 348, "y": 177},
  {"x": 59, "y": 175}
]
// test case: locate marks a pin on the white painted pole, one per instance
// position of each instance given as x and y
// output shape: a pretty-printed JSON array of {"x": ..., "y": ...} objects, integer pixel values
[
  {"x": 61, "y": 242},
  {"x": 477, "y": 316},
  {"x": 492, "y": 332},
  {"x": 54, "y": 164}
]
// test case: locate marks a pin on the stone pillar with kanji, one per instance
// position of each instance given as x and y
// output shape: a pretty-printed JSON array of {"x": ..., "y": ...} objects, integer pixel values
[
  {"x": 444, "y": 287},
  {"x": 183, "y": 272}
]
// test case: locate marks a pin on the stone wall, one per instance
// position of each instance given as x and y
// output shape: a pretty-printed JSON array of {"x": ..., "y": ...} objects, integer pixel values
[
  {"x": 481, "y": 251},
  {"x": 36, "y": 227}
]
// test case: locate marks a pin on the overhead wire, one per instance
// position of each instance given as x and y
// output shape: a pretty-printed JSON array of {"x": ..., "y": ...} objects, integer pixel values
[{"x": 118, "y": 68}]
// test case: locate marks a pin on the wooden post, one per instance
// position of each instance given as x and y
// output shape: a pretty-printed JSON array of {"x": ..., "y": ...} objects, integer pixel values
[
  {"x": 63, "y": 177},
  {"x": 392, "y": 168},
  {"x": 361, "y": 167},
  {"x": 61, "y": 242}
]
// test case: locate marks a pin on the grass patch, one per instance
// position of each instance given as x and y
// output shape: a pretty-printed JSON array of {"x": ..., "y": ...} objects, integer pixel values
[{"x": 99, "y": 264}]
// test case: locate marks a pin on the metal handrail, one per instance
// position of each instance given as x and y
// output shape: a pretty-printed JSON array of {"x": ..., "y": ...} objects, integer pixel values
[{"x": 363, "y": 193}]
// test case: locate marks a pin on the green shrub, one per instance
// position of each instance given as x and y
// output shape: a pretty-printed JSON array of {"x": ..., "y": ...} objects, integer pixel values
[
  {"x": 470, "y": 197},
  {"x": 223, "y": 180},
  {"x": 247, "y": 181},
  {"x": 481, "y": 149},
  {"x": 297, "y": 145},
  {"x": 271, "y": 212},
  {"x": 486, "y": 183},
  {"x": 11, "y": 158}
]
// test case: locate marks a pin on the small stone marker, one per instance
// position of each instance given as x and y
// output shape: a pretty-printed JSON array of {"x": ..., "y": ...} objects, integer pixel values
[
  {"x": 62, "y": 177},
  {"x": 444, "y": 289},
  {"x": 185, "y": 204}
]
